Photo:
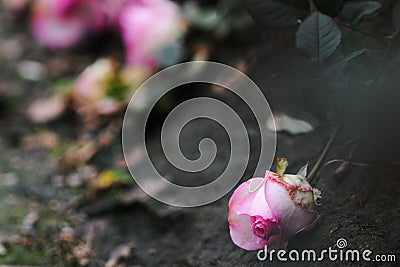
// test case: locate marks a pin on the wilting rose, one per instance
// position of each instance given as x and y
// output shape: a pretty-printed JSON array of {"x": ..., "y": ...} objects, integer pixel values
[
  {"x": 147, "y": 27},
  {"x": 62, "y": 23},
  {"x": 279, "y": 207}
]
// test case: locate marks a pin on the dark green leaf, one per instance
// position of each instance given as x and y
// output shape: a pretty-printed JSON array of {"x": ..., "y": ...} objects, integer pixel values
[
  {"x": 355, "y": 11},
  {"x": 280, "y": 14},
  {"x": 352, "y": 55},
  {"x": 329, "y": 7},
  {"x": 318, "y": 37},
  {"x": 345, "y": 59},
  {"x": 352, "y": 41}
]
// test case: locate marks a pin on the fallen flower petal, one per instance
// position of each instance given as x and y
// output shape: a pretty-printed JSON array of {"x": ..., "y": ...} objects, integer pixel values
[{"x": 281, "y": 122}]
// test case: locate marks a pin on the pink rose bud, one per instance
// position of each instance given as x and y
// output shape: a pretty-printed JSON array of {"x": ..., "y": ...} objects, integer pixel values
[
  {"x": 148, "y": 27},
  {"x": 269, "y": 214},
  {"x": 62, "y": 23}
]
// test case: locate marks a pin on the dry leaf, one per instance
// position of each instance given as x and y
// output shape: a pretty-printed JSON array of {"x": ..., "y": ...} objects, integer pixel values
[{"x": 285, "y": 123}]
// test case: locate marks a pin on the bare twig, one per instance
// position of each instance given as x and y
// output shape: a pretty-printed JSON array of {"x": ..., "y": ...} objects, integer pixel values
[{"x": 389, "y": 48}]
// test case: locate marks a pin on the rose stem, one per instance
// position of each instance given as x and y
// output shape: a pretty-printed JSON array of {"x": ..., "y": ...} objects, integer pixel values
[{"x": 312, "y": 176}]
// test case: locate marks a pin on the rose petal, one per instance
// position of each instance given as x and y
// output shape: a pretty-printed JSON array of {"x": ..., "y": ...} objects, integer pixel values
[
  {"x": 255, "y": 204},
  {"x": 292, "y": 217},
  {"x": 240, "y": 225}
]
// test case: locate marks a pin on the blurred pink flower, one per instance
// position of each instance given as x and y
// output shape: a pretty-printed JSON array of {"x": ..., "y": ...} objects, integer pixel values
[
  {"x": 62, "y": 23},
  {"x": 112, "y": 10},
  {"x": 282, "y": 206},
  {"x": 89, "y": 92},
  {"x": 104, "y": 89},
  {"x": 148, "y": 26}
]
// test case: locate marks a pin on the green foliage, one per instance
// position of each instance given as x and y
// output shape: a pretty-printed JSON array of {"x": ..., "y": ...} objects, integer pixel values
[
  {"x": 345, "y": 59},
  {"x": 63, "y": 85},
  {"x": 352, "y": 55},
  {"x": 117, "y": 90},
  {"x": 318, "y": 37},
  {"x": 352, "y": 41},
  {"x": 355, "y": 11},
  {"x": 319, "y": 34}
]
